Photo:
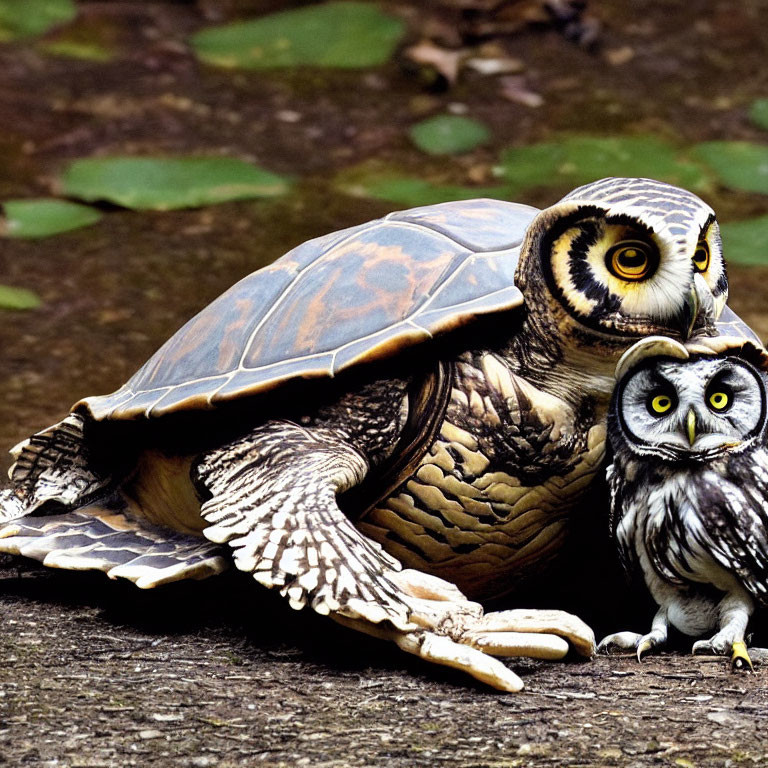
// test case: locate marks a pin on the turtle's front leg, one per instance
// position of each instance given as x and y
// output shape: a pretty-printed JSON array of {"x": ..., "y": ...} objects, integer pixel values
[{"x": 273, "y": 499}]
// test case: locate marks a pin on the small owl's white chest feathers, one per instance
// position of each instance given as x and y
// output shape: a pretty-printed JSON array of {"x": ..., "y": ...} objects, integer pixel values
[{"x": 665, "y": 522}]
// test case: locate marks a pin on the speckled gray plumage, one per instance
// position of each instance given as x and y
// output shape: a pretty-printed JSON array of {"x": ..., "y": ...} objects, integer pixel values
[{"x": 689, "y": 514}]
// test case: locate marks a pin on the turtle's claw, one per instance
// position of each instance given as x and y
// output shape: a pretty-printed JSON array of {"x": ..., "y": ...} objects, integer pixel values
[
  {"x": 440, "y": 649},
  {"x": 447, "y": 628},
  {"x": 740, "y": 660}
]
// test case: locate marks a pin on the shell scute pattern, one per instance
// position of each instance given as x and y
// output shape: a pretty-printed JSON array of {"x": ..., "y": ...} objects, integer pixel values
[
  {"x": 479, "y": 225},
  {"x": 337, "y": 301},
  {"x": 333, "y": 302},
  {"x": 731, "y": 325}
]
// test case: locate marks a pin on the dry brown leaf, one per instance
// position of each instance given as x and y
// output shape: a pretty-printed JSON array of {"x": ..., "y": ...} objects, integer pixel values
[
  {"x": 446, "y": 61},
  {"x": 514, "y": 88}
]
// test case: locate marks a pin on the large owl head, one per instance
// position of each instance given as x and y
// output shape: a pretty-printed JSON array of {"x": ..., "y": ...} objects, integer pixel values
[
  {"x": 689, "y": 408},
  {"x": 628, "y": 258}
]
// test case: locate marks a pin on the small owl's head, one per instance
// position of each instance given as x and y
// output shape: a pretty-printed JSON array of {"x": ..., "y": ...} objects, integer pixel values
[
  {"x": 630, "y": 257},
  {"x": 694, "y": 409}
]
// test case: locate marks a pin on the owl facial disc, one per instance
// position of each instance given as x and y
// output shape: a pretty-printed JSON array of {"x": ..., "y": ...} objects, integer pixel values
[
  {"x": 690, "y": 409},
  {"x": 634, "y": 257}
]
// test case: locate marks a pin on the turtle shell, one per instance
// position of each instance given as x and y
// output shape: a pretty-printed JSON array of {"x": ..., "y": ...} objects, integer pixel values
[{"x": 349, "y": 297}]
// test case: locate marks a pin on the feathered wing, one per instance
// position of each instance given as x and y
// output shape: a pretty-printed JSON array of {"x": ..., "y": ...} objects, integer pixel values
[
  {"x": 273, "y": 500},
  {"x": 734, "y": 516},
  {"x": 628, "y": 511},
  {"x": 645, "y": 508},
  {"x": 620, "y": 535}
]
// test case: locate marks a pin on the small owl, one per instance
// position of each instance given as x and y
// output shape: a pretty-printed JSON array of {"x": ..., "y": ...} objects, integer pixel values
[{"x": 689, "y": 496}]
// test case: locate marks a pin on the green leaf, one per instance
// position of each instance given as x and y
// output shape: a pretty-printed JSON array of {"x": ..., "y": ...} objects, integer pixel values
[
  {"x": 30, "y": 18},
  {"x": 18, "y": 298},
  {"x": 580, "y": 159},
  {"x": 74, "y": 49},
  {"x": 448, "y": 134},
  {"x": 168, "y": 183},
  {"x": 758, "y": 113},
  {"x": 336, "y": 34},
  {"x": 737, "y": 164},
  {"x": 411, "y": 191},
  {"x": 44, "y": 217},
  {"x": 746, "y": 242}
]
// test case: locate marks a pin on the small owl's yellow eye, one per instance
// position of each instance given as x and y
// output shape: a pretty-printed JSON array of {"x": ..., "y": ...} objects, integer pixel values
[
  {"x": 701, "y": 257},
  {"x": 630, "y": 260},
  {"x": 719, "y": 400},
  {"x": 661, "y": 403}
]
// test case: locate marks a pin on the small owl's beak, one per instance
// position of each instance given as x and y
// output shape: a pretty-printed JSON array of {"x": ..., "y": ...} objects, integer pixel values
[
  {"x": 699, "y": 309},
  {"x": 690, "y": 424}
]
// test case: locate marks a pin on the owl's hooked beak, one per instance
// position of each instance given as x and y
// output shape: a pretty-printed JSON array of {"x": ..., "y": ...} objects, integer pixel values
[
  {"x": 690, "y": 425},
  {"x": 699, "y": 310},
  {"x": 691, "y": 429}
]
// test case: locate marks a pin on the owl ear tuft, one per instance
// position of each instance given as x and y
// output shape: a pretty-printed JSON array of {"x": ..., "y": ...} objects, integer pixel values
[{"x": 650, "y": 346}]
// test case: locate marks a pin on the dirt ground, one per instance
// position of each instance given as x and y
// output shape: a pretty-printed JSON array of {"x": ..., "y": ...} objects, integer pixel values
[
  {"x": 94, "y": 673},
  {"x": 219, "y": 674}
]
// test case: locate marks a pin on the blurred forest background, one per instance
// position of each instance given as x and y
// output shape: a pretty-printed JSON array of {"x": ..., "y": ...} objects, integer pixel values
[{"x": 153, "y": 153}]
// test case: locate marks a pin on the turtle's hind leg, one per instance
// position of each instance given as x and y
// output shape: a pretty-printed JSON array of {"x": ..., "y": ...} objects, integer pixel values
[
  {"x": 54, "y": 465},
  {"x": 62, "y": 512},
  {"x": 107, "y": 537}
]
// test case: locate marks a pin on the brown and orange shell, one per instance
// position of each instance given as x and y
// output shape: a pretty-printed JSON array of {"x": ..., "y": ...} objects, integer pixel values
[{"x": 350, "y": 297}]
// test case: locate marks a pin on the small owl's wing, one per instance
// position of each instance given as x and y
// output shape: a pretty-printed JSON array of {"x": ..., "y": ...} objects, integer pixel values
[
  {"x": 734, "y": 514},
  {"x": 623, "y": 518}
]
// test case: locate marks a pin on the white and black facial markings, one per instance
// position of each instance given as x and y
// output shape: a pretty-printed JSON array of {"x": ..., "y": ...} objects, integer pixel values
[
  {"x": 625, "y": 258},
  {"x": 690, "y": 410}
]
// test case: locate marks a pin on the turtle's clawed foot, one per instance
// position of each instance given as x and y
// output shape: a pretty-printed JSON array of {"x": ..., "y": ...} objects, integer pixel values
[
  {"x": 633, "y": 641},
  {"x": 454, "y": 631}
]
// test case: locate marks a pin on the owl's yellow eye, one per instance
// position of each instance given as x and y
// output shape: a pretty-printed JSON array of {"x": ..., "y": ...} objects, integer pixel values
[
  {"x": 701, "y": 257},
  {"x": 661, "y": 404},
  {"x": 631, "y": 260},
  {"x": 719, "y": 401}
]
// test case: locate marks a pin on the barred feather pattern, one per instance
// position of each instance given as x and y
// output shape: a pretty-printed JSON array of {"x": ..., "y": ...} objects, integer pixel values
[
  {"x": 106, "y": 538},
  {"x": 52, "y": 465},
  {"x": 668, "y": 209},
  {"x": 273, "y": 499},
  {"x": 691, "y": 522}
]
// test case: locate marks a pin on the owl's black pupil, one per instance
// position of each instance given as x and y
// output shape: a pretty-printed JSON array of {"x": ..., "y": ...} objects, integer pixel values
[
  {"x": 700, "y": 256},
  {"x": 660, "y": 403},
  {"x": 632, "y": 258}
]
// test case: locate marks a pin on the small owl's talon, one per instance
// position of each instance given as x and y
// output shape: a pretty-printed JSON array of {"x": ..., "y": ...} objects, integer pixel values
[
  {"x": 702, "y": 648},
  {"x": 632, "y": 641},
  {"x": 643, "y": 648},
  {"x": 740, "y": 660}
]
